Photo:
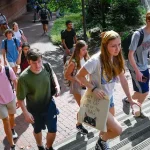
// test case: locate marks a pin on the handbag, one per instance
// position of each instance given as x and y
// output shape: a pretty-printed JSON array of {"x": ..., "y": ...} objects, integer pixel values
[
  {"x": 94, "y": 111},
  {"x": 53, "y": 85}
]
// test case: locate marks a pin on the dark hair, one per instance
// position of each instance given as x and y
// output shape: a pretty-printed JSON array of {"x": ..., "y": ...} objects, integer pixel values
[
  {"x": 34, "y": 54},
  {"x": 25, "y": 44},
  {"x": 68, "y": 21},
  {"x": 9, "y": 30}
]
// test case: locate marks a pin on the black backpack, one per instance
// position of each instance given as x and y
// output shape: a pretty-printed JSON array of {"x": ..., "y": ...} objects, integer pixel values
[
  {"x": 5, "y": 43},
  {"x": 8, "y": 76},
  {"x": 43, "y": 14},
  {"x": 127, "y": 41}
]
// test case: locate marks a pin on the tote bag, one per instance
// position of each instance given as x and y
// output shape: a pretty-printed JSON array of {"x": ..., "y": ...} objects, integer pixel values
[{"x": 94, "y": 111}]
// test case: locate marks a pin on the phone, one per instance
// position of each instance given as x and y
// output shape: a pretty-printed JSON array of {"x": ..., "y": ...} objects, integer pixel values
[{"x": 144, "y": 79}]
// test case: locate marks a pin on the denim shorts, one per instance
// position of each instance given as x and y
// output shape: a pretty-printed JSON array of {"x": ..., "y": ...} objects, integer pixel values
[
  {"x": 47, "y": 119},
  {"x": 112, "y": 102}
]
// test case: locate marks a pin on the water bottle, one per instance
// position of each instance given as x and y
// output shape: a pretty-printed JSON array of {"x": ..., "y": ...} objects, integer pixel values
[{"x": 136, "y": 110}]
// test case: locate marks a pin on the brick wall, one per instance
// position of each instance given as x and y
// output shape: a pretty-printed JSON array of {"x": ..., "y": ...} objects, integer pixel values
[{"x": 12, "y": 9}]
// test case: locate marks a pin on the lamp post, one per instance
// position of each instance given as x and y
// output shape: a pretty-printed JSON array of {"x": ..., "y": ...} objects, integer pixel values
[{"x": 84, "y": 20}]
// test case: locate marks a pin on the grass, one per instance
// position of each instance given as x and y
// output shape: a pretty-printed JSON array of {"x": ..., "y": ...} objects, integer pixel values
[{"x": 59, "y": 25}]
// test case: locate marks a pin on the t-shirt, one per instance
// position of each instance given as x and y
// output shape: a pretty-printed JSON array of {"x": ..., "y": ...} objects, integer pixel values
[
  {"x": 18, "y": 34},
  {"x": 24, "y": 63},
  {"x": 6, "y": 92},
  {"x": 2, "y": 19},
  {"x": 141, "y": 52},
  {"x": 68, "y": 36},
  {"x": 36, "y": 89},
  {"x": 44, "y": 11},
  {"x": 92, "y": 68},
  {"x": 12, "y": 52}
]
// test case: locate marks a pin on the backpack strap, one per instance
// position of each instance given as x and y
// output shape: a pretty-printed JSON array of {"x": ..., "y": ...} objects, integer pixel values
[
  {"x": 8, "y": 76},
  {"x": 5, "y": 45},
  {"x": 20, "y": 31},
  {"x": 141, "y": 36},
  {"x": 48, "y": 68},
  {"x": 15, "y": 40}
]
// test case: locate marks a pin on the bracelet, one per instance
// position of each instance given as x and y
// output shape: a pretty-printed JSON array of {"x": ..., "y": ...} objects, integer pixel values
[{"x": 94, "y": 88}]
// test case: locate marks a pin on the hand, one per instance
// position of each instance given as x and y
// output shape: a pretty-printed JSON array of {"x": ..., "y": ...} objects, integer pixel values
[
  {"x": 17, "y": 105},
  {"x": 68, "y": 51},
  {"x": 132, "y": 102},
  {"x": 5, "y": 63},
  {"x": 139, "y": 76},
  {"x": 29, "y": 118},
  {"x": 99, "y": 93},
  {"x": 57, "y": 91}
]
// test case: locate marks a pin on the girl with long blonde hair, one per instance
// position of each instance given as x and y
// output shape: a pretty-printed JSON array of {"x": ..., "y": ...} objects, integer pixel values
[{"x": 111, "y": 64}]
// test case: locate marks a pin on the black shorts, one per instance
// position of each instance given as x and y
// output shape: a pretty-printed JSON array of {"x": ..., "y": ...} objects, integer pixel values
[
  {"x": 48, "y": 119},
  {"x": 44, "y": 22}
]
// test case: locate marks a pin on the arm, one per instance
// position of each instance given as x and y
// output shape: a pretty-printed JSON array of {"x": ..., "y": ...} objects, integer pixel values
[
  {"x": 4, "y": 56},
  {"x": 125, "y": 87},
  {"x": 81, "y": 77},
  {"x": 75, "y": 39},
  {"x": 24, "y": 38},
  {"x": 28, "y": 116},
  {"x": 133, "y": 64},
  {"x": 69, "y": 71},
  {"x": 19, "y": 58},
  {"x": 15, "y": 84}
]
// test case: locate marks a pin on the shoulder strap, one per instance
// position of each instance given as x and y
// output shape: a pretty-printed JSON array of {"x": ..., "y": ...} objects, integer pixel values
[
  {"x": 141, "y": 36},
  {"x": 15, "y": 40},
  {"x": 5, "y": 45},
  {"x": 48, "y": 68},
  {"x": 7, "y": 72},
  {"x": 20, "y": 31}
]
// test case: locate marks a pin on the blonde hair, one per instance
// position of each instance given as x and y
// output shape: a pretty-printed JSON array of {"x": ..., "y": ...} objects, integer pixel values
[
  {"x": 76, "y": 53},
  {"x": 115, "y": 67}
]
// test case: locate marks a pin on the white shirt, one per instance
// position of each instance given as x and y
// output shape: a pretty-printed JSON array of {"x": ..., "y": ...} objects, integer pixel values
[{"x": 18, "y": 35}]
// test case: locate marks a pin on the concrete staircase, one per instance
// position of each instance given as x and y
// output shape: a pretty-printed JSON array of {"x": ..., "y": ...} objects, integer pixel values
[{"x": 135, "y": 136}]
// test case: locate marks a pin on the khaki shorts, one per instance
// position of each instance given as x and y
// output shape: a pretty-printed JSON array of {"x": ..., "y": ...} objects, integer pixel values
[{"x": 6, "y": 109}]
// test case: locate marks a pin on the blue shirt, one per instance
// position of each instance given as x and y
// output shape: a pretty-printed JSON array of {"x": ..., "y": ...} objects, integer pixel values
[{"x": 12, "y": 52}]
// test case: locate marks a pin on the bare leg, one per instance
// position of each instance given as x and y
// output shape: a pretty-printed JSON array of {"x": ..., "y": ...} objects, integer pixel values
[
  {"x": 38, "y": 138},
  {"x": 12, "y": 120},
  {"x": 50, "y": 139},
  {"x": 7, "y": 129}
]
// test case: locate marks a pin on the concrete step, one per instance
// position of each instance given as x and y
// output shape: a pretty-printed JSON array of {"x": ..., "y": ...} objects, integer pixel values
[{"x": 135, "y": 136}]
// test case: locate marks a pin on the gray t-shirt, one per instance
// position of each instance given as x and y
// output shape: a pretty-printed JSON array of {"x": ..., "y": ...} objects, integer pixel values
[{"x": 141, "y": 52}]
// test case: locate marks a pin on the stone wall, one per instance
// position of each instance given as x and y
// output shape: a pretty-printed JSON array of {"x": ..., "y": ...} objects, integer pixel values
[{"x": 12, "y": 9}]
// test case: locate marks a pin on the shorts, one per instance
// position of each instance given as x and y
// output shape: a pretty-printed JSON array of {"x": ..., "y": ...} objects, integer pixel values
[
  {"x": 6, "y": 109},
  {"x": 12, "y": 64},
  {"x": 141, "y": 87},
  {"x": 71, "y": 52},
  {"x": 44, "y": 22},
  {"x": 75, "y": 88},
  {"x": 112, "y": 102},
  {"x": 47, "y": 119}
]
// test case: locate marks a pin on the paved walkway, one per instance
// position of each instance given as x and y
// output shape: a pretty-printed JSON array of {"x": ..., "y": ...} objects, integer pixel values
[{"x": 66, "y": 104}]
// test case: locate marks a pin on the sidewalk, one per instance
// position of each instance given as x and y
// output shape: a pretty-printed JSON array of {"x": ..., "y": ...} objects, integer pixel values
[{"x": 66, "y": 104}]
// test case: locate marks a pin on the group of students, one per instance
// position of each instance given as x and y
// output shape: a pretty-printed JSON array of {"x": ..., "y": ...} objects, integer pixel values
[{"x": 40, "y": 109}]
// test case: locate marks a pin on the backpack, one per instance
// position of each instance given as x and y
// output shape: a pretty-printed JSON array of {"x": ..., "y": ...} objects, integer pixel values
[
  {"x": 5, "y": 43},
  {"x": 8, "y": 76},
  {"x": 127, "y": 41},
  {"x": 20, "y": 31},
  {"x": 53, "y": 85},
  {"x": 66, "y": 81},
  {"x": 43, "y": 14}
]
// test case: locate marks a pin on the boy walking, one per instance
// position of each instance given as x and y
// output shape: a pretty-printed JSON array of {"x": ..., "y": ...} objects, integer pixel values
[
  {"x": 7, "y": 103},
  {"x": 34, "y": 84}
]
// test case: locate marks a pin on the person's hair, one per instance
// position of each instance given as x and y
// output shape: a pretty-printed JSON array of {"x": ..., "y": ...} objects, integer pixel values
[
  {"x": 76, "y": 53},
  {"x": 14, "y": 23},
  {"x": 8, "y": 31},
  {"x": 115, "y": 67},
  {"x": 23, "y": 57},
  {"x": 34, "y": 54},
  {"x": 68, "y": 21},
  {"x": 147, "y": 16}
]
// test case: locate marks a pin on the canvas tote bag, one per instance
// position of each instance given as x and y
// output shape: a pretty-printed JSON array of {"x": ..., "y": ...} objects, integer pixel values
[{"x": 94, "y": 111}]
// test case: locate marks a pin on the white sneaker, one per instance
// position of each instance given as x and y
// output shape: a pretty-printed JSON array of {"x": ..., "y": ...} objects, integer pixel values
[{"x": 14, "y": 134}]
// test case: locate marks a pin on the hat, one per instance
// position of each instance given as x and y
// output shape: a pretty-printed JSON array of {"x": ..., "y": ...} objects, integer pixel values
[{"x": 8, "y": 31}]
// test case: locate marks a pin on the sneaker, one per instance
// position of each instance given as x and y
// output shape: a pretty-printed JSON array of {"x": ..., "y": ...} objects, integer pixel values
[
  {"x": 12, "y": 147},
  {"x": 81, "y": 129},
  {"x": 142, "y": 115},
  {"x": 41, "y": 148},
  {"x": 101, "y": 145},
  {"x": 126, "y": 106},
  {"x": 14, "y": 134}
]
